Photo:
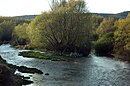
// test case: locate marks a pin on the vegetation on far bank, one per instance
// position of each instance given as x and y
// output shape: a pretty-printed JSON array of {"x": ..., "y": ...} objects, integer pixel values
[
  {"x": 118, "y": 43},
  {"x": 104, "y": 46},
  {"x": 69, "y": 28}
]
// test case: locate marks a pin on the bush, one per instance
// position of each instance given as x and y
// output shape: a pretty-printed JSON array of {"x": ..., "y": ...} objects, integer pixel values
[
  {"x": 85, "y": 50},
  {"x": 94, "y": 37},
  {"x": 20, "y": 36},
  {"x": 104, "y": 46}
]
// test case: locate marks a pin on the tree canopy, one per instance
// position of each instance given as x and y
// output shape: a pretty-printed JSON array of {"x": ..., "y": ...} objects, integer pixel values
[
  {"x": 122, "y": 35},
  {"x": 20, "y": 34},
  {"x": 106, "y": 26},
  {"x": 66, "y": 28},
  {"x": 6, "y": 29}
]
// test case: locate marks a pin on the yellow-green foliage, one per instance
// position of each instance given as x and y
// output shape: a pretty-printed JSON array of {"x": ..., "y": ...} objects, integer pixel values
[
  {"x": 36, "y": 30},
  {"x": 104, "y": 46},
  {"x": 96, "y": 21},
  {"x": 7, "y": 25},
  {"x": 20, "y": 33},
  {"x": 122, "y": 37},
  {"x": 106, "y": 26},
  {"x": 66, "y": 27}
]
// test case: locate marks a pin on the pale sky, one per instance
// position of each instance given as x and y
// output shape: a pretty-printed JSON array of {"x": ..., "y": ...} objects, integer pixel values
[{"x": 31, "y": 7}]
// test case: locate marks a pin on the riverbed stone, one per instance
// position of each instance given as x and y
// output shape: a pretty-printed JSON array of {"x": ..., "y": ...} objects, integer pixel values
[
  {"x": 47, "y": 74},
  {"x": 24, "y": 69}
]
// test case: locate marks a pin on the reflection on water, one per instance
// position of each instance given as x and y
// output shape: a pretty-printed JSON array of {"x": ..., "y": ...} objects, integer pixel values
[{"x": 94, "y": 71}]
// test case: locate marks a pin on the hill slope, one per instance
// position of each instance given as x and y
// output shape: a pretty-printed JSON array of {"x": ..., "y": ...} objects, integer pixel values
[
  {"x": 121, "y": 15},
  {"x": 26, "y": 16}
]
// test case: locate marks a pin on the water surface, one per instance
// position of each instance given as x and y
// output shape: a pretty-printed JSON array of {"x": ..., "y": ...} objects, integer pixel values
[{"x": 93, "y": 71}]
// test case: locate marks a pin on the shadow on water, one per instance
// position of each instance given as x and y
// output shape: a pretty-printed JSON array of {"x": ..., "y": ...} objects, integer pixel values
[{"x": 93, "y": 71}]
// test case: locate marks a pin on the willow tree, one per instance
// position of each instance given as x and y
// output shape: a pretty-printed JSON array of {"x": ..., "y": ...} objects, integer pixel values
[
  {"x": 106, "y": 26},
  {"x": 122, "y": 38},
  {"x": 20, "y": 35},
  {"x": 6, "y": 29},
  {"x": 66, "y": 28}
]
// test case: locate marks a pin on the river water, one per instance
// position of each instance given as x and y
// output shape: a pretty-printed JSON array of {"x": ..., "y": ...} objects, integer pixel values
[{"x": 92, "y": 71}]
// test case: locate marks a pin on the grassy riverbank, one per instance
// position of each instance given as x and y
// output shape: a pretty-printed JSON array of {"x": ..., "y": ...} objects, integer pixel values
[{"x": 39, "y": 55}]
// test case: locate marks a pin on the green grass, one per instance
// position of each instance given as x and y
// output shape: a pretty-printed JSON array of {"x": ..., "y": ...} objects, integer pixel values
[{"x": 39, "y": 55}]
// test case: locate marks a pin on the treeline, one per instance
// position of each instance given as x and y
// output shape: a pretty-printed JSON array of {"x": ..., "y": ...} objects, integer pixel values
[
  {"x": 7, "y": 26},
  {"x": 114, "y": 38},
  {"x": 70, "y": 28}
]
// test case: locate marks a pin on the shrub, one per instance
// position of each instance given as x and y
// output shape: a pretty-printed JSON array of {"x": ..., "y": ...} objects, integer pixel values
[{"x": 104, "y": 46}]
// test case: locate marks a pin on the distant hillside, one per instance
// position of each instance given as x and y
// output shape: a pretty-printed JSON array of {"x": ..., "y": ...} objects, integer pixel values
[
  {"x": 117, "y": 16},
  {"x": 121, "y": 15},
  {"x": 27, "y": 16}
]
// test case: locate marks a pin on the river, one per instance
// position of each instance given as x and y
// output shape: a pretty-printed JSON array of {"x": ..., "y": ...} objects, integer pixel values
[{"x": 92, "y": 71}]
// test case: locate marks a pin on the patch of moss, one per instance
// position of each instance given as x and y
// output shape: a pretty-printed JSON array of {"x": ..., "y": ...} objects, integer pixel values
[{"x": 39, "y": 55}]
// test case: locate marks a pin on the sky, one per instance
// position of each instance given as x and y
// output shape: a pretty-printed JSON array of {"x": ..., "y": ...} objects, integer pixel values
[{"x": 32, "y": 7}]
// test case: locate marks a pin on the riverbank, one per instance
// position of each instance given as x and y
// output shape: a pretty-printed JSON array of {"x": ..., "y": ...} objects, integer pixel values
[
  {"x": 8, "y": 78},
  {"x": 81, "y": 71}
]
